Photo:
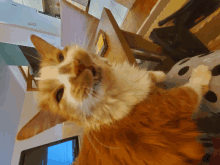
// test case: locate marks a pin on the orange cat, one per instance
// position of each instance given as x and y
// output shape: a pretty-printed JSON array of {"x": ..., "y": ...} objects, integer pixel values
[{"x": 127, "y": 119}]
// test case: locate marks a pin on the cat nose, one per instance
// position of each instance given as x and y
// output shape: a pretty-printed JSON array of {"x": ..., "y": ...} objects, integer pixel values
[{"x": 76, "y": 68}]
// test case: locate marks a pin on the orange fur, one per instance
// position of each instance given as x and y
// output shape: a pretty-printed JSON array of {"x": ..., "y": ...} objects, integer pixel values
[
  {"x": 128, "y": 119},
  {"x": 157, "y": 131}
]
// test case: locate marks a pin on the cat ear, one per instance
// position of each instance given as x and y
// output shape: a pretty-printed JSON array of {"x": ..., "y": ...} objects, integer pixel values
[
  {"x": 42, "y": 46},
  {"x": 42, "y": 121}
]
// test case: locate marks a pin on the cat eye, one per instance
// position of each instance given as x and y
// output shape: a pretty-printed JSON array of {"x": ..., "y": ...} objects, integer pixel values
[
  {"x": 59, "y": 94},
  {"x": 60, "y": 57}
]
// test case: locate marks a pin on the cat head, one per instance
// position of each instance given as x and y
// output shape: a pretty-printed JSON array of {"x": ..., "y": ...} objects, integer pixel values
[{"x": 72, "y": 82}]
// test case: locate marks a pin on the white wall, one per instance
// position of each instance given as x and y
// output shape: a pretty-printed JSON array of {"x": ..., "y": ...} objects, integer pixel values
[
  {"x": 18, "y": 76},
  {"x": 11, "y": 102},
  {"x": 28, "y": 111},
  {"x": 58, "y": 132}
]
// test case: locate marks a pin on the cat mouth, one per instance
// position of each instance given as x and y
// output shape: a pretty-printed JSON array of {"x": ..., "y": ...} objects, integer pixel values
[{"x": 97, "y": 79}]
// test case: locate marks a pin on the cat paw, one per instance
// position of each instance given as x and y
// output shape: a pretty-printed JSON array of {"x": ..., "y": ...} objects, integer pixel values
[
  {"x": 157, "y": 76},
  {"x": 201, "y": 75}
]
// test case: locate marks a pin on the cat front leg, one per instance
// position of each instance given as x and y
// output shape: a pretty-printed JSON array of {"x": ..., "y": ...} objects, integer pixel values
[
  {"x": 200, "y": 79},
  {"x": 157, "y": 76}
]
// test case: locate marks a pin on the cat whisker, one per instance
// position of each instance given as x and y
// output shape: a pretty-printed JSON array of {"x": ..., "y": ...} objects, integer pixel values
[
  {"x": 103, "y": 144},
  {"x": 88, "y": 89},
  {"x": 81, "y": 98},
  {"x": 90, "y": 140},
  {"x": 92, "y": 97},
  {"x": 96, "y": 96},
  {"x": 84, "y": 116},
  {"x": 89, "y": 94},
  {"x": 33, "y": 56},
  {"x": 92, "y": 90}
]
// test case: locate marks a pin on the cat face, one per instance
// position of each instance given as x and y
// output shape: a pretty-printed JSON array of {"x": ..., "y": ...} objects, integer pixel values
[{"x": 70, "y": 80}]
